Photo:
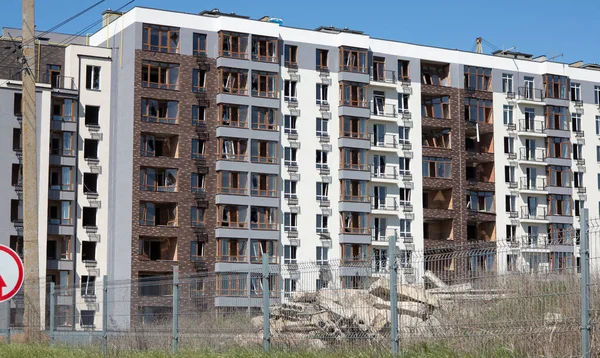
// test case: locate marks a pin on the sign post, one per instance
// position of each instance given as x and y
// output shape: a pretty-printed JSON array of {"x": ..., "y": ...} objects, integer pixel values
[{"x": 11, "y": 273}]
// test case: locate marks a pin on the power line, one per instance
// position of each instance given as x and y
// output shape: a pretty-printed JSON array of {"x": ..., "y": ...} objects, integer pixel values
[{"x": 23, "y": 43}]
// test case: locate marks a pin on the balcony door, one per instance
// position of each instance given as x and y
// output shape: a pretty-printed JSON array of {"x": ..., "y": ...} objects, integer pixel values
[
  {"x": 379, "y": 165},
  {"x": 529, "y": 88},
  {"x": 380, "y": 228},
  {"x": 380, "y": 193},
  {"x": 529, "y": 119},
  {"x": 531, "y": 178},
  {"x": 532, "y": 206},
  {"x": 378, "y": 135}
]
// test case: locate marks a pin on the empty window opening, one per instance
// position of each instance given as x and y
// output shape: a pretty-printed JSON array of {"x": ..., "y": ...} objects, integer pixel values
[
  {"x": 91, "y": 115},
  {"x": 89, "y": 217},
  {"x": 90, "y": 183},
  {"x": 88, "y": 251},
  {"x": 90, "y": 149}
]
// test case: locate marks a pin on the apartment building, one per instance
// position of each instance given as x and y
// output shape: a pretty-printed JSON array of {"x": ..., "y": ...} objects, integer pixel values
[
  {"x": 250, "y": 138},
  {"x": 73, "y": 86}
]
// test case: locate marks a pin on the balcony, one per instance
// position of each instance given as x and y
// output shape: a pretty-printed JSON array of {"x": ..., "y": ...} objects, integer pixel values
[
  {"x": 384, "y": 234},
  {"x": 528, "y": 95},
  {"x": 384, "y": 204},
  {"x": 384, "y": 172},
  {"x": 384, "y": 142},
  {"x": 534, "y": 213},
  {"x": 532, "y": 128},
  {"x": 535, "y": 242},
  {"x": 533, "y": 185},
  {"x": 381, "y": 76},
  {"x": 535, "y": 156},
  {"x": 384, "y": 110},
  {"x": 59, "y": 82}
]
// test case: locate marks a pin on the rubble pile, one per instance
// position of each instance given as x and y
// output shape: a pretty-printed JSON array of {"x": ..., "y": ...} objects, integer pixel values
[{"x": 336, "y": 315}]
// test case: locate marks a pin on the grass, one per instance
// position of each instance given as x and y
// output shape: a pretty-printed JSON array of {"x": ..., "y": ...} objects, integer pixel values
[{"x": 420, "y": 351}]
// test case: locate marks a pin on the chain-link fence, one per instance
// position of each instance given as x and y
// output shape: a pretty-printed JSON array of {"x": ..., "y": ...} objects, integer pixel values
[{"x": 521, "y": 295}]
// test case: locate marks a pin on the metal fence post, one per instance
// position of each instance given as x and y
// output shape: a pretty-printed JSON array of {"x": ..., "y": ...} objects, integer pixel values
[
  {"x": 393, "y": 292},
  {"x": 8, "y": 322},
  {"x": 585, "y": 285},
  {"x": 175, "y": 338},
  {"x": 104, "y": 315},
  {"x": 266, "y": 313},
  {"x": 52, "y": 313}
]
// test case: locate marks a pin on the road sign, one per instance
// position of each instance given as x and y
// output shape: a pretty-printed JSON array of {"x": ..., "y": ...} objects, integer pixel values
[{"x": 11, "y": 273}]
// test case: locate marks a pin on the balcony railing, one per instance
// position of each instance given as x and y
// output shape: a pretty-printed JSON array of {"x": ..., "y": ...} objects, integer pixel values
[
  {"x": 355, "y": 230},
  {"x": 354, "y": 198},
  {"x": 60, "y": 82},
  {"x": 536, "y": 213},
  {"x": 384, "y": 172},
  {"x": 535, "y": 241},
  {"x": 384, "y": 110},
  {"x": 387, "y": 76},
  {"x": 354, "y": 166},
  {"x": 532, "y": 126},
  {"x": 382, "y": 234},
  {"x": 530, "y": 94},
  {"x": 532, "y": 184},
  {"x": 536, "y": 155},
  {"x": 388, "y": 203},
  {"x": 384, "y": 141},
  {"x": 355, "y": 135}
]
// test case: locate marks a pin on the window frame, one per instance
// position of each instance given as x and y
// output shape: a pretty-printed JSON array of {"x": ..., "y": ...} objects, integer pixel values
[{"x": 165, "y": 48}]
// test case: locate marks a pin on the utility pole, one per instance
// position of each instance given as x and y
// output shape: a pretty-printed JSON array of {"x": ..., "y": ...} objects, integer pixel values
[{"x": 31, "y": 284}]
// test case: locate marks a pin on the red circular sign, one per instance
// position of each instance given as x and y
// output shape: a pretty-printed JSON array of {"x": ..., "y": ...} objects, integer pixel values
[{"x": 11, "y": 273}]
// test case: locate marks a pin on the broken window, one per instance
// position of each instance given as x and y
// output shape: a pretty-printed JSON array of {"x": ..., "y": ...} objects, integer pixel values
[
  {"x": 92, "y": 115},
  {"x": 353, "y": 60},
  {"x": 59, "y": 212},
  {"x": 353, "y": 94},
  {"x": 198, "y": 80},
  {"x": 160, "y": 38},
  {"x": 403, "y": 70},
  {"x": 198, "y": 148},
  {"x": 160, "y": 75},
  {"x": 158, "y": 146},
  {"x": 90, "y": 148},
  {"x": 89, "y": 217},
  {"x": 264, "y": 185},
  {"x": 198, "y": 181},
  {"x": 63, "y": 109},
  {"x": 61, "y": 143},
  {"x": 92, "y": 77},
  {"x": 17, "y": 140},
  {"x": 258, "y": 248},
  {"x": 478, "y": 78},
  {"x": 234, "y": 183},
  {"x": 90, "y": 183},
  {"x": 264, "y": 118},
  {"x": 88, "y": 286},
  {"x": 233, "y": 149},
  {"x": 435, "y": 74},
  {"x": 17, "y": 175},
  {"x": 232, "y": 216},
  {"x": 198, "y": 115},
  {"x": 61, "y": 178},
  {"x": 289, "y": 91},
  {"x": 478, "y": 110},
  {"x": 264, "y": 84},
  {"x": 88, "y": 251},
  {"x": 18, "y": 105},
  {"x": 233, "y": 115},
  {"x": 198, "y": 217},
  {"x": 158, "y": 214},
  {"x": 233, "y": 45},
  {"x": 264, "y": 49},
  {"x": 16, "y": 211},
  {"x": 437, "y": 138},
  {"x": 160, "y": 111},
  {"x": 158, "y": 179},
  {"x": 233, "y": 81}
]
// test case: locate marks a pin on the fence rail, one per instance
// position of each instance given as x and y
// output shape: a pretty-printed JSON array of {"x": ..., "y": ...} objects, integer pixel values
[{"x": 475, "y": 297}]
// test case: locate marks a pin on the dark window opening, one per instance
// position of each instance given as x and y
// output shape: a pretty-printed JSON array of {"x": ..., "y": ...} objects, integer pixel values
[
  {"x": 16, "y": 243},
  {"x": 51, "y": 250},
  {"x": 17, "y": 175},
  {"x": 89, "y": 217},
  {"x": 90, "y": 149},
  {"x": 16, "y": 140},
  {"x": 18, "y": 104},
  {"x": 88, "y": 286},
  {"x": 91, "y": 115},
  {"x": 88, "y": 251},
  {"x": 87, "y": 318},
  {"x": 90, "y": 183},
  {"x": 16, "y": 211}
]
